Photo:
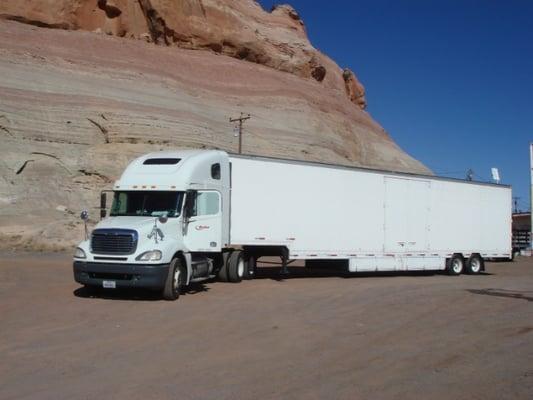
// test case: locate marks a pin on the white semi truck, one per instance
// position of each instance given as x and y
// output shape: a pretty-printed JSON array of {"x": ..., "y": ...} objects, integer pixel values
[{"x": 190, "y": 215}]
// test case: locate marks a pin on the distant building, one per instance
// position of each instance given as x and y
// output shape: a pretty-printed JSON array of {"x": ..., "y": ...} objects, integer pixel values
[{"x": 521, "y": 230}]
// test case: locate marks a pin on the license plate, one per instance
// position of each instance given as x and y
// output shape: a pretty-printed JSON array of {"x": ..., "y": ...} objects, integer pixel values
[{"x": 109, "y": 284}]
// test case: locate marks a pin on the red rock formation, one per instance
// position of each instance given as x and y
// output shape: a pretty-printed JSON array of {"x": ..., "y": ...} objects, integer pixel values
[
  {"x": 354, "y": 88},
  {"x": 237, "y": 28}
]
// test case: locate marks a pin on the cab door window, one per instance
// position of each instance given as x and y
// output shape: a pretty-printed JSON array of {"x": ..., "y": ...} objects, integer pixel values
[{"x": 207, "y": 203}]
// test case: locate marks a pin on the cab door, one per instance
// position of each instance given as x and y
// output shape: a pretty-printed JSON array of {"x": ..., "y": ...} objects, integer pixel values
[{"x": 203, "y": 230}]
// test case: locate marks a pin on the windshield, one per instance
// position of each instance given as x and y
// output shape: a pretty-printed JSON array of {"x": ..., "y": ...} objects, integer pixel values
[{"x": 147, "y": 204}]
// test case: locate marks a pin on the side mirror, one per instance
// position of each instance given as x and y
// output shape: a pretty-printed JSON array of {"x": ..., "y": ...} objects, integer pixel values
[
  {"x": 188, "y": 209},
  {"x": 103, "y": 203},
  {"x": 190, "y": 201},
  {"x": 84, "y": 215}
]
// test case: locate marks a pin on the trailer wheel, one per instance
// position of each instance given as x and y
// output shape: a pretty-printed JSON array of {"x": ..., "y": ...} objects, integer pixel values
[
  {"x": 455, "y": 265},
  {"x": 236, "y": 266},
  {"x": 176, "y": 278},
  {"x": 250, "y": 266},
  {"x": 474, "y": 265}
]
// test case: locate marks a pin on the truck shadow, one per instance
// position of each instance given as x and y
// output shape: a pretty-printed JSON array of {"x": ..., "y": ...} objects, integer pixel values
[
  {"x": 511, "y": 294},
  {"x": 134, "y": 294},
  {"x": 274, "y": 273}
]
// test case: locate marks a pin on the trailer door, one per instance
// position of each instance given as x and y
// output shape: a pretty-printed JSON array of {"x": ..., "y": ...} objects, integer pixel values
[{"x": 406, "y": 216}]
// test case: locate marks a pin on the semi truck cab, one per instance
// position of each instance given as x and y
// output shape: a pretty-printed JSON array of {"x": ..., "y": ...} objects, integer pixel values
[{"x": 166, "y": 227}]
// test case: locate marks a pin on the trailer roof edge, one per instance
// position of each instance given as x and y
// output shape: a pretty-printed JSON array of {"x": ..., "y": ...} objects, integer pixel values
[{"x": 367, "y": 169}]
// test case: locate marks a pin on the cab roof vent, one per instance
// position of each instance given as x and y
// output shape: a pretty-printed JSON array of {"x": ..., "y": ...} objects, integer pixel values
[{"x": 161, "y": 161}]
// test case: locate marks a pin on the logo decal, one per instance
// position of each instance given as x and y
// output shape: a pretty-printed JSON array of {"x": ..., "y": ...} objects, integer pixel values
[{"x": 201, "y": 227}]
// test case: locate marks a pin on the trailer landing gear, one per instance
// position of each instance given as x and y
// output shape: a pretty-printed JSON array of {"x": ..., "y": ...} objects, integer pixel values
[{"x": 284, "y": 262}]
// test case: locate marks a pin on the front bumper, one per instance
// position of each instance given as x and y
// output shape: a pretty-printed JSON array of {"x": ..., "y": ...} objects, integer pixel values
[{"x": 125, "y": 275}]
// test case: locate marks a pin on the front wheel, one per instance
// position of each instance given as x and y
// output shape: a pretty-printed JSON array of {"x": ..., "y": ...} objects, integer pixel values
[{"x": 176, "y": 278}]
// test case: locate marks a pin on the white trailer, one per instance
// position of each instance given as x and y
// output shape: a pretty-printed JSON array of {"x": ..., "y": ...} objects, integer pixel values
[{"x": 184, "y": 216}]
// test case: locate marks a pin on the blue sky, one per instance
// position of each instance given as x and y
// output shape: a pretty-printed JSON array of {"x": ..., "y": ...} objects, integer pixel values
[{"x": 450, "y": 80}]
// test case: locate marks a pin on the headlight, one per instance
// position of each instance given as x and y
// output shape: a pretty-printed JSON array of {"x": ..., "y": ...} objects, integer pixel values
[
  {"x": 152, "y": 255},
  {"x": 79, "y": 253}
]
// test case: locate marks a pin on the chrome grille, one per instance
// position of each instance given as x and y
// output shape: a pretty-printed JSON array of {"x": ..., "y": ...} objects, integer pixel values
[{"x": 114, "y": 241}]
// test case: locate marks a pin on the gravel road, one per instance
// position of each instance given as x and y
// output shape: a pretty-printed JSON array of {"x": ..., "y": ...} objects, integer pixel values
[{"x": 315, "y": 335}]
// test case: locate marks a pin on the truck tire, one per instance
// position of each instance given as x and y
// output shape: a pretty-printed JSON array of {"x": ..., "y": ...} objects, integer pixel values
[
  {"x": 250, "y": 266},
  {"x": 455, "y": 265},
  {"x": 222, "y": 273},
  {"x": 474, "y": 265},
  {"x": 235, "y": 266},
  {"x": 176, "y": 278}
]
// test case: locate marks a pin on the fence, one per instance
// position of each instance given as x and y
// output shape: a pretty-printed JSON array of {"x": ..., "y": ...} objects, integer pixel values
[{"x": 521, "y": 239}]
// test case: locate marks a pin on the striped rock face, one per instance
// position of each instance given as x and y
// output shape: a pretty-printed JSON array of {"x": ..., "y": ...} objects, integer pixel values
[
  {"x": 236, "y": 28},
  {"x": 76, "y": 106}
]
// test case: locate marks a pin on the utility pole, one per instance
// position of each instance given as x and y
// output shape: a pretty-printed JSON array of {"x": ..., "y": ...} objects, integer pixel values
[
  {"x": 515, "y": 202},
  {"x": 240, "y": 120}
]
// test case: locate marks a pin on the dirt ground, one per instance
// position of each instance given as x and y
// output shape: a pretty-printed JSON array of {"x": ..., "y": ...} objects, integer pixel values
[{"x": 312, "y": 336}]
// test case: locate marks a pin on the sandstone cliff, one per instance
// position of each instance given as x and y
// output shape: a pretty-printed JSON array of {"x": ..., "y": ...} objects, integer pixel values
[
  {"x": 76, "y": 106},
  {"x": 237, "y": 28}
]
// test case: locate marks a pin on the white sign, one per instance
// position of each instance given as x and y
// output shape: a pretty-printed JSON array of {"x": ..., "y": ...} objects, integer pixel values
[{"x": 495, "y": 175}]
